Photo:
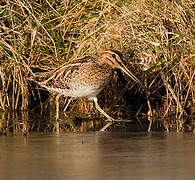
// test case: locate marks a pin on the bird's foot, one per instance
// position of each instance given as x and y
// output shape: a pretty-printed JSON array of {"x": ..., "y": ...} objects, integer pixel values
[
  {"x": 110, "y": 120},
  {"x": 119, "y": 120},
  {"x": 109, "y": 123},
  {"x": 106, "y": 126}
]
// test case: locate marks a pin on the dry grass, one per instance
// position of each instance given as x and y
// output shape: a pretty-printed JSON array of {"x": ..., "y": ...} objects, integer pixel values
[{"x": 156, "y": 38}]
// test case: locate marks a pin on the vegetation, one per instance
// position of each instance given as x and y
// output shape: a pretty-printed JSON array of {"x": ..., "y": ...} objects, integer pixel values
[{"x": 157, "y": 39}]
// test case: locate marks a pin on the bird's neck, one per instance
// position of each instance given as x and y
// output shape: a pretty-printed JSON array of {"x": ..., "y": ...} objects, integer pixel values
[
  {"x": 104, "y": 65},
  {"x": 102, "y": 62}
]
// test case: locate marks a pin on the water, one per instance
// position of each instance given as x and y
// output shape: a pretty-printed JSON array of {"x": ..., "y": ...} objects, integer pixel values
[{"x": 136, "y": 156}]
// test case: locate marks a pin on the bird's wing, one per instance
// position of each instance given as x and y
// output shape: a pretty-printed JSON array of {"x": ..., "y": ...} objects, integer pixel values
[{"x": 59, "y": 77}]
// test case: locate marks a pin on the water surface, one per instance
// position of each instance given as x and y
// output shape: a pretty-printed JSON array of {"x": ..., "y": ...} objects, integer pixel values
[{"x": 137, "y": 156}]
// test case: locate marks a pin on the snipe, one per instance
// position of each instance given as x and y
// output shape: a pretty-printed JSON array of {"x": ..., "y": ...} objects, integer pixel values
[{"x": 85, "y": 77}]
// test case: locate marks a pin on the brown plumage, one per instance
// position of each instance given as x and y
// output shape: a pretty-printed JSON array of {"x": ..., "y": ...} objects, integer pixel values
[{"x": 84, "y": 77}]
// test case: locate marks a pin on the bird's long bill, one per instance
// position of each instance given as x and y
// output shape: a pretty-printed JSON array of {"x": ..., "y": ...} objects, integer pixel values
[{"x": 126, "y": 71}]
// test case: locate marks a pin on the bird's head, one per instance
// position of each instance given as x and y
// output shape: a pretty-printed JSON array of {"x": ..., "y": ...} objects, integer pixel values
[{"x": 115, "y": 60}]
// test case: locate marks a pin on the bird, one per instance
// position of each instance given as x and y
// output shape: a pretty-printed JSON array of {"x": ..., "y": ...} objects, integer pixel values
[{"x": 84, "y": 77}]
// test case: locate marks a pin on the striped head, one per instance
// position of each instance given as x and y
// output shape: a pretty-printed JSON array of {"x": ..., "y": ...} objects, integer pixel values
[{"x": 115, "y": 60}]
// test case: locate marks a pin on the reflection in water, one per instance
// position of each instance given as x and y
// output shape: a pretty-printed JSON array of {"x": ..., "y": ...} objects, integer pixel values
[
  {"x": 98, "y": 156},
  {"x": 18, "y": 123}
]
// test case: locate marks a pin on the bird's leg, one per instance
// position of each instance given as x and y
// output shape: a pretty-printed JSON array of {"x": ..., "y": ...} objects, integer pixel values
[
  {"x": 110, "y": 119},
  {"x": 68, "y": 119},
  {"x": 101, "y": 110},
  {"x": 57, "y": 106},
  {"x": 57, "y": 126},
  {"x": 67, "y": 104}
]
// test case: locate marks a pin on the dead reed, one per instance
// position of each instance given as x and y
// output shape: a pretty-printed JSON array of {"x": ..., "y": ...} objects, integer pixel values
[{"x": 156, "y": 38}]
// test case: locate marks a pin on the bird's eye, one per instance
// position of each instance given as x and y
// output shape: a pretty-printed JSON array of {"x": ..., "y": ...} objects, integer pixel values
[{"x": 113, "y": 55}]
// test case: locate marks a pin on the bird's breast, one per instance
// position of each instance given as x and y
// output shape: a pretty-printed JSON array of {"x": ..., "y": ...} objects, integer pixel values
[{"x": 85, "y": 91}]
